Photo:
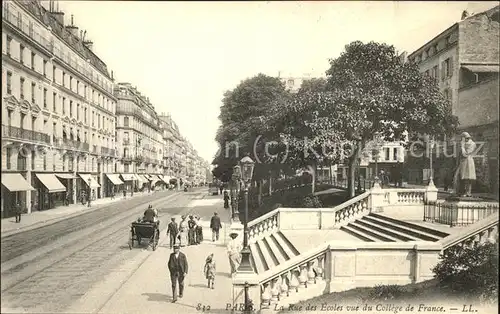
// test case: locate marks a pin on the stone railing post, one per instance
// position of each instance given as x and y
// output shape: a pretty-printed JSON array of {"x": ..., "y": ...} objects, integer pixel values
[
  {"x": 426, "y": 256},
  {"x": 377, "y": 198},
  {"x": 431, "y": 194},
  {"x": 242, "y": 281},
  {"x": 340, "y": 268}
]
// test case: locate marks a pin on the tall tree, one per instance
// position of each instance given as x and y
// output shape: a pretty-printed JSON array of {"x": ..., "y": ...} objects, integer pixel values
[
  {"x": 373, "y": 92},
  {"x": 243, "y": 127}
]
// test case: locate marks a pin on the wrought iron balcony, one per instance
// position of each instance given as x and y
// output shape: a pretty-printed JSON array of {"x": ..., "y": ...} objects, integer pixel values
[
  {"x": 105, "y": 151},
  {"x": 18, "y": 133}
]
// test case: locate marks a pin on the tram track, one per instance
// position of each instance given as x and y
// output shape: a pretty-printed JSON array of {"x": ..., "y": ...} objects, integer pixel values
[
  {"x": 66, "y": 273},
  {"x": 17, "y": 244}
]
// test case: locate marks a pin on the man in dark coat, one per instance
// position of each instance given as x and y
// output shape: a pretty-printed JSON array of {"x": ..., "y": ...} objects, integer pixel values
[
  {"x": 18, "y": 210},
  {"x": 191, "y": 231},
  {"x": 178, "y": 267},
  {"x": 149, "y": 214},
  {"x": 172, "y": 231},
  {"x": 215, "y": 225}
]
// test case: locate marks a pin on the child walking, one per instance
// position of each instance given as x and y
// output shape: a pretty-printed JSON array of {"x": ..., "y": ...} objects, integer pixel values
[{"x": 210, "y": 270}]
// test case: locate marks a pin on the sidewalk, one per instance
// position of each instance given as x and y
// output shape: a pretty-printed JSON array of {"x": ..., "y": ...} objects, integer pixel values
[
  {"x": 149, "y": 286},
  {"x": 40, "y": 218}
]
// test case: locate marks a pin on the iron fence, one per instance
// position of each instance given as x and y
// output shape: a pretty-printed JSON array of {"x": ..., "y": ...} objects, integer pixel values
[{"x": 457, "y": 215}]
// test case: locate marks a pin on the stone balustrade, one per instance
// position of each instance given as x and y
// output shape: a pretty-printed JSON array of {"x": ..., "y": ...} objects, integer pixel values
[
  {"x": 263, "y": 225},
  {"x": 395, "y": 197}
]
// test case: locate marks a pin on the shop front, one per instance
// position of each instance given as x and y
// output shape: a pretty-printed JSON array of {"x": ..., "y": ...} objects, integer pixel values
[
  {"x": 112, "y": 184},
  {"x": 14, "y": 188},
  {"x": 50, "y": 192},
  {"x": 128, "y": 179},
  {"x": 141, "y": 182},
  {"x": 68, "y": 180},
  {"x": 88, "y": 187}
]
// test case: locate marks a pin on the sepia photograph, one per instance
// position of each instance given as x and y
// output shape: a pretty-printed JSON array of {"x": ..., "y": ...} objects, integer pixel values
[{"x": 249, "y": 157}]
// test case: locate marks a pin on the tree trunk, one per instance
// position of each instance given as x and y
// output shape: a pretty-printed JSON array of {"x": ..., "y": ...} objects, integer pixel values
[
  {"x": 312, "y": 169},
  {"x": 350, "y": 181},
  {"x": 259, "y": 196},
  {"x": 270, "y": 183},
  {"x": 331, "y": 174}
]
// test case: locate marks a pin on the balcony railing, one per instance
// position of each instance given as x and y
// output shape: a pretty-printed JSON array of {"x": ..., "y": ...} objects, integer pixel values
[
  {"x": 15, "y": 132},
  {"x": 105, "y": 151},
  {"x": 126, "y": 141}
]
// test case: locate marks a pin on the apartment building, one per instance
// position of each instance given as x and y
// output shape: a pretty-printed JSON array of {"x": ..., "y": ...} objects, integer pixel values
[
  {"x": 139, "y": 138},
  {"x": 58, "y": 110},
  {"x": 464, "y": 59}
]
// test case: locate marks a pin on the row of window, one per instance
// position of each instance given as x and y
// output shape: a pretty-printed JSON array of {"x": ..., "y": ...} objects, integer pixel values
[
  {"x": 64, "y": 79},
  {"x": 32, "y": 30},
  {"x": 68, "y": 106},
  {"x": 435, "y": 48},
  {"x": 387, "y": 154},
  {"x": 446, "y": 70},
  {"x": 67, "y": 164}
]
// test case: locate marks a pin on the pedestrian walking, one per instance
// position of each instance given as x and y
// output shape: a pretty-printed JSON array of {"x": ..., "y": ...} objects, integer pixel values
[
  {"x": 209, "y": 270},
  {"x": 172, "y": 231},
  {"x": 226, "y": 200},
  {"x": 183, "y": 231},
  {"x": 221, "y": 188},
  {"x": 215, "y": 225},
  {"x": 191, "y": 231},
  {"x": 18, "y": 210},
  {"x": 178, "y": 267},
  {"x": 199, "y": 231},
  {"x": 234, "y": 252}
]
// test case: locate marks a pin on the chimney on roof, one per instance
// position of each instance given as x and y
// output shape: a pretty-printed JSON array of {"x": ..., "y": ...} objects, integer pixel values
[
  {"x": 72, "y": 28},
  {"x": 112, "y": 75},
  {"x": 59, "y": 16},
  {"x": 89, "y": 44},
  {"x": 465, "y": 14}
]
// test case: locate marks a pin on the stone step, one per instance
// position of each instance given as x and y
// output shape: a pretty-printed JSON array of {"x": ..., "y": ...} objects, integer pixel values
[
  {"x": 403, "y": 228},
  {"x": 285, "y": 244},
  {"x": 373, "y": 233},
  {"x": 268, "y": 260},
  {"x": 276, "y": 254},
  {"x": 413, "y": 226},
  {"x": 400, "y": 236},
  {"x": 358, "y": 234},
  {"x": 257, "y": 258},
  {"x": 280, "y": 252}
]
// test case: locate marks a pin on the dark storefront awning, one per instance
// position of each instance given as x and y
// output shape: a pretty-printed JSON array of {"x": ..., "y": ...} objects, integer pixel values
[
  {"x": 93, "y": 181},
  {"x": 15, "y": 182},
  {"x": 148, "y": 177},
  {"x": 65, "y": 176},
  {"x": 51, "y": 182},
  {"x": 128, "y": 177},
  {"x": 114, "y": 178},
  {"x": 479, "y": 68}
]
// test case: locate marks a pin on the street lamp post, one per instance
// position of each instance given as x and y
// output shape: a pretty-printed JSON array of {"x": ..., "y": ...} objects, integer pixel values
[
  {"x": 431, "y": 174},
  {"x": 247, "y": 166},
  {"x": 235, "y": 190}
]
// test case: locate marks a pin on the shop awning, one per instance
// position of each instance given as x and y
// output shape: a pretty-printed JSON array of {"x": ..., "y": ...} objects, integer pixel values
[
  {"x": 166, "y": 179},
  {"x": 148, "y": 177},
  {"x": 142, "y": 179},
  {"x": 155, "y": 179},
  {"x": 93, "y": 181},
  {"x": 15, "y": 182},
  {"x": 51, "y": 182},
  {"x": 128, "y": 177},
  {"x": 65, "y": 176},
  {"x": 114, "y": 178},
  {"x": 479, "y": 68}
]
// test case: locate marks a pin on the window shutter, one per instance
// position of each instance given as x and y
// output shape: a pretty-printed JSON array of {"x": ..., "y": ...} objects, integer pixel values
[
  {"x": 443, "y": 64},
  {"x": 450, "y": 66}
]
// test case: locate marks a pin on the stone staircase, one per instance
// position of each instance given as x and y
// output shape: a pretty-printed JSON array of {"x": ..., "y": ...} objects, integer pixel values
[
  {"x": 379, "y": 228},
  {"x": 270, "y": 251}
]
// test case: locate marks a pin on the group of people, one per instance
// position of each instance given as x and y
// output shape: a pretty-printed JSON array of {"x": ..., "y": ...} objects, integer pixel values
[{"x": 187, "y": 232}]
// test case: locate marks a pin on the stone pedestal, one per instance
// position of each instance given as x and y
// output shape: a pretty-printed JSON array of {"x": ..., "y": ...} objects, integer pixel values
[
  {"x": 377, "y": 198},
  {"x": 463, "y": 210},
  {"x": 249, "y": 280},
  {"x": 238, "y": 228},
  {"x": 431, "y": 193}
]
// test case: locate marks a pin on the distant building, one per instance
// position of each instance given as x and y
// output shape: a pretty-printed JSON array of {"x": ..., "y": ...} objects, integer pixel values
[{"x": 465, "y": 60}]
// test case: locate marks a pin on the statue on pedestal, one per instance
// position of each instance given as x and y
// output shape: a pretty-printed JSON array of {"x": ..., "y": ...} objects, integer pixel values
[{"x": 465, "y": 174}]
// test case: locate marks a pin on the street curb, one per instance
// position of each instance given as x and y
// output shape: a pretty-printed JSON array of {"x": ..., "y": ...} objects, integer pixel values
[{"x": 51, "y": 221}]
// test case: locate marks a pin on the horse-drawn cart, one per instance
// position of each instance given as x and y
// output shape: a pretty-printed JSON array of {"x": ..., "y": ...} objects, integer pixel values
[{"x": 149, "y": 231}]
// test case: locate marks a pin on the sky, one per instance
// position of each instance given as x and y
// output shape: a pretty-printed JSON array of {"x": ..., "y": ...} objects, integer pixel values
[{"x": 185, "y": 55}]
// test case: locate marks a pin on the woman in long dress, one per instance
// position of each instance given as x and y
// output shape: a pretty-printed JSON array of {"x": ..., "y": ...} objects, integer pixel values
[
  {"x": 183, "y": 232},
  {"x": 466, "y": 171},
  {"x": 234, "y": 252}
]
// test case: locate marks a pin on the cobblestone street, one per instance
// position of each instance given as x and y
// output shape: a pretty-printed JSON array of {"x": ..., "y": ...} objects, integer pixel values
[{"x": 50, "y": 276}]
